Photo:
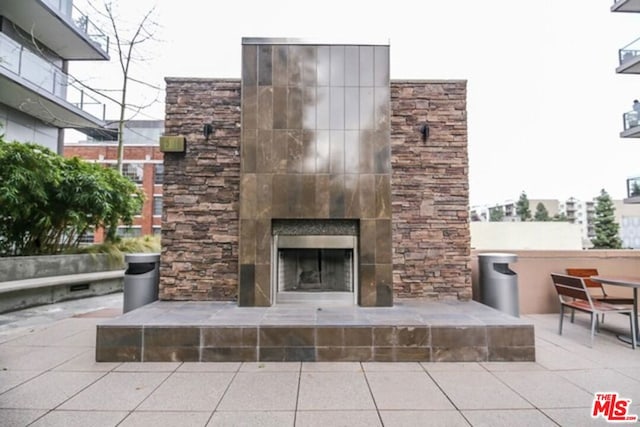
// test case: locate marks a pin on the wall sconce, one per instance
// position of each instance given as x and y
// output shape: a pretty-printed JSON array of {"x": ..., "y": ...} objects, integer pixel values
[
  {"x": 207, "y": 130},
  {"x": 424, "y": 131}
]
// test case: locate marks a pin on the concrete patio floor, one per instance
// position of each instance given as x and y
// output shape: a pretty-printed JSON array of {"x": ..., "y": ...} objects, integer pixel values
[{"x": 49, "y": 377}]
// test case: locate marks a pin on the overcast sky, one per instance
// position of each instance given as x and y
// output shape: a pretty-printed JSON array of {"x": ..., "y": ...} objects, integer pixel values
[{"x": 544, "y": 102}]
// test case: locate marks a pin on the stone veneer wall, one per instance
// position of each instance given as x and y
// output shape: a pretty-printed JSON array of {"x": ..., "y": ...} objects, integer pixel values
[
  {"x": 429, "y": 191},
  {"x": 201, "y": 190}
]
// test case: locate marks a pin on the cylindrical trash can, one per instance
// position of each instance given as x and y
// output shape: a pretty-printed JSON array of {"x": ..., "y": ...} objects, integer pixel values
[
  {"x": 141, "y": 280},
  {"x": 498, "y": 283}
]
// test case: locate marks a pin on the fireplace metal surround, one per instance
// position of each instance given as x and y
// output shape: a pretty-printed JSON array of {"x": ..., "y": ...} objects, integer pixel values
[{"x": 326, "y": 269}]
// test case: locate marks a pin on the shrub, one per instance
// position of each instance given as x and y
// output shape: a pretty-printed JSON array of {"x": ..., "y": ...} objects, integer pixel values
[{"x": 48, "y": 202}]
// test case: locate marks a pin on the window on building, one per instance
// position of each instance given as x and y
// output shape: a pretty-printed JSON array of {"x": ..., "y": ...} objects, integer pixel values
[
  {"x": 86, "y": 238},
  {"x": 133, "y": 171},
  {"x": 129, "y": 231},
  {"x": 158, "y": 173},
  {"x": 157, "y": 230},
  {"x": 157, "y": 205}
]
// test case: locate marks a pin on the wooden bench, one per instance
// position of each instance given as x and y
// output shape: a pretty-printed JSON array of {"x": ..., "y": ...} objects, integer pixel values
[{"x": 573, "y": 294}]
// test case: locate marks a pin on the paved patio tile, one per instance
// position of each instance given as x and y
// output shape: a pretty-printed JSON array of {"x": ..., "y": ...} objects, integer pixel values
[
  {"x": 191, "y": 391},
  {"x": 508, "y": 418},
  {"x": 261, "y": 391},
  {"x": 478, "y": 390},
  {"x": 406, "y": 390},
  {"x": 546, "y": 389},
  {"x": 36, "y": 358},
  {"x": 116, "y": 391},
  {"x": 334, "y": 390},
  {"x": 165, "y": 419},
  {"x": 81, "y": 419},
  {"x": 270, "y": 367},
  {"x": 47, "y": 390},
  {"x": 631, "y": 372},
  {"x": 86, "y": 362},
  {"x": 391, "y": 366},
  {"x": 252, "y": 418},
  {"x": 209, "y": 367},
  {"x": 337, "y": 419},
  {"x": 511, "y": 366},
  {"x": 599, "y": 380},
  {"x": 19, "y": 417},
  {"x": 148, "y": 367},
  {"x": 452, "y": 366},
  {"x": 450, "y": 418},
  {"x": 331, "y": 367},
  {"x": 10, "y": 379},
  {"x": 575, "y": 417}
]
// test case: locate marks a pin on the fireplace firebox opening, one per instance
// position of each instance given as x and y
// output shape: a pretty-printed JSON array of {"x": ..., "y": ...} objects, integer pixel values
[{"x": 315, "y": 269}]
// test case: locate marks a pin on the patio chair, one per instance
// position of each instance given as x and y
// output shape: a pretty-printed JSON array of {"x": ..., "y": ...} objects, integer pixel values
[
  {"x": 596, "y": 289},
  {"x": 574, "y": 294}
]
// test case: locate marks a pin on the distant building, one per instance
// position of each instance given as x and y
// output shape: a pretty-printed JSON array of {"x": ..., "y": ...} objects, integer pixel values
[
  {"x": 579, "y": 212},
  {"x": 38, "y": 99},
  {"x": 142, "y": 163}
]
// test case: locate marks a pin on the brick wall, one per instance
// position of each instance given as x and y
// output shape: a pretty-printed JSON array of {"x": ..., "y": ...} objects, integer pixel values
[{"x": 429, "y": 191}]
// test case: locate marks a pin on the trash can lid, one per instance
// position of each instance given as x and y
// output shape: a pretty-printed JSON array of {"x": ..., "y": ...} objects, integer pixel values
[
  {"x": 499, "y": 257},
  {"x": 141, "y": 257}
]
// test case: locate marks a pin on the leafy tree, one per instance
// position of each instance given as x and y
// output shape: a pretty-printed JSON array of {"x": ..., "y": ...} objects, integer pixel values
[
  {"x": 522, "y": 207},
  {"x": 48, "y": 202},
  {"x": 496, "y": 214},
  {"x": 605, "y": 225},
  {"x": 561, "y": 217},
  {"x": 542, "y": 214}
]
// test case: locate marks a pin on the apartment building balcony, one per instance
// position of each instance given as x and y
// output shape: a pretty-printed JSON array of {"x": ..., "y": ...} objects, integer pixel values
[
  {"x": 633, "y": 191},
  {"x": 631, "y": 125},
  {"x": 59, "y": 25},
  {"x": 33, "y": 85},
  {"x": 626, "y": 6},
  {"x": 629, "y": 58}
]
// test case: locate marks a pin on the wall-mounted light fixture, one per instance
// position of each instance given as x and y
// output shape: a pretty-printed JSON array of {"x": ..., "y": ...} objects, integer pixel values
[
  {"x": 424, "y": 131},
  {"x": 207, "y": 130}
]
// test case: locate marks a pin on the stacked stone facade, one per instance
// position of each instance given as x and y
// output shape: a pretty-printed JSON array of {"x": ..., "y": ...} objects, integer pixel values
[
  {"x": 201, "y": 192},
  {"x": 429, "y": 191}
]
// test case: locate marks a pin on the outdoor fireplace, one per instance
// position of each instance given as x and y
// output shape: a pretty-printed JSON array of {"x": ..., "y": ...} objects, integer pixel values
[{"x": 315, "y": 174}]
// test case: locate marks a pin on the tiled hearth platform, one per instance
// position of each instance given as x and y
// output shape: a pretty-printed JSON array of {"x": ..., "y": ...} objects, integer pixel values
[{"x": 411, "y": 330}]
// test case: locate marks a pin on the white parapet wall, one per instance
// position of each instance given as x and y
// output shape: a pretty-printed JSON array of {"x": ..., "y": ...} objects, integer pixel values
[{"x": 525, "y": 235}]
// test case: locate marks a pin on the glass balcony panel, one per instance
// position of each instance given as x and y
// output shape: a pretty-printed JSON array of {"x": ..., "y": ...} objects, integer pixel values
[
  {"x": 84, "y": 24},
  {"x": 630, "y": 119},
  {"x": 629, "y": 52},
  {"x": 10, "y": 54},
  {"x": 81, "y": 21},
  {"x": 47, "y": 77}
]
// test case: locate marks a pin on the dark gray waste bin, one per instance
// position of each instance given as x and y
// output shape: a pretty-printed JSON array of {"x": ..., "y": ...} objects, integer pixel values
[
  {"x": 498, "y": 283},
  {"x": 141, "y": 280}
]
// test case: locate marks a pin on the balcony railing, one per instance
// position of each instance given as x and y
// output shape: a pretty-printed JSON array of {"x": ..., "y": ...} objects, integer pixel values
[
  {"x": 633, "y": 187},
  {"x": 629, "y": 52},
  {"x": 23, "y": 63},
  {"x": 630, "y": 119},
  {"x": 81, "y": 22}
]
